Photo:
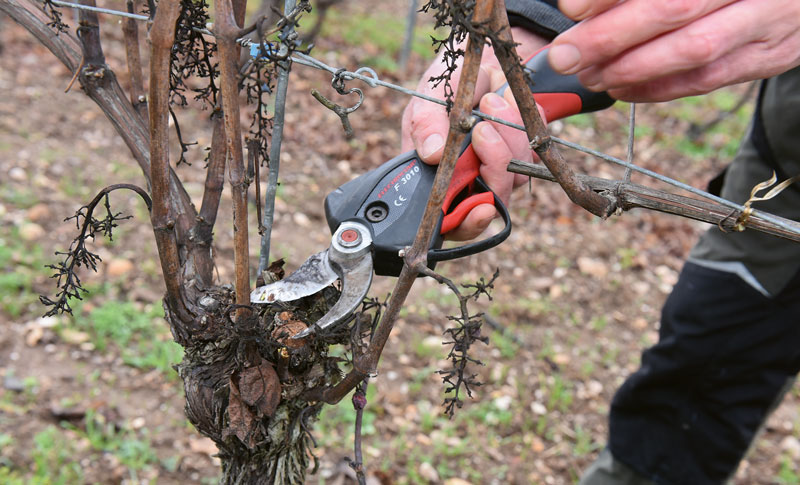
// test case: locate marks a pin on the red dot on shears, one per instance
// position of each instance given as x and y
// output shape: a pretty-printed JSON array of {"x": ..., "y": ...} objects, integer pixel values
[{"x": 350, "y": 235}]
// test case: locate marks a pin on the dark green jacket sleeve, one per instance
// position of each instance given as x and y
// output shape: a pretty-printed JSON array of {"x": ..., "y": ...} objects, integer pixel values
[{"x": 538, "y": 16}]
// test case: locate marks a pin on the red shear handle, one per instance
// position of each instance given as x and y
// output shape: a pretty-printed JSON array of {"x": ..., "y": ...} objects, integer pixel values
[{"x": 466, "y": 171}]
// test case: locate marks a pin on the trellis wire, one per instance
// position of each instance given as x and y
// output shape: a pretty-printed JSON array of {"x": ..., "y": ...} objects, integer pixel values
[
  {"x": 631, "y": 140},
  {"x": 373, "y": 81},
  {"x": 101, "y": 10}
]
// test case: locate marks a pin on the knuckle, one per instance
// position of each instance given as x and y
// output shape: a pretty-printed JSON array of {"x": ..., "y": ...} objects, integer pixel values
[
  {"x": 623, "y": 71},
  {"x": 709, "y": 79},
  {"x": 607, "y": 43},
  {"x": 700, "y": 47},
  {"x": 680, "y": 11},
  {"x": 421, "y": 126}
]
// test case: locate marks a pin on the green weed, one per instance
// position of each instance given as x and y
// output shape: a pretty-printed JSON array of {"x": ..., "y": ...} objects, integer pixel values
[
  {"x": 419, "y": 378},
  {"x": 341, "y": 418},
  {"x": 22, "y": 198},
  {"x": 487, "y": 412},
  {"x": 52, "y": 459},
  {"x": 583, "y": 442},
  {"x": 582, "y": 120},
  {"x": 598, "y": 323},
  {"x": 559, "y": 394},
  {"x": 547, "y": 351},
  {"x": 21, "y": 263},
  {"x": 426, "y": 348},
  {"x": 626, "y": 257},
  {"x": 507, "y": 347},
  {"x": 788, "y": 475},
  {"x": 133, "y": 452},
  {"x": 381, "y": 35},
  {"x": 143, "y": 341}
]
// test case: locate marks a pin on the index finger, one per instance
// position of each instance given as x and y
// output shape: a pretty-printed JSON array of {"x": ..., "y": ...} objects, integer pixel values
[
  {"x": 621, "y": 27},
  {"x": 425, "y": 124},
  {"x": 582, "y": 9}
]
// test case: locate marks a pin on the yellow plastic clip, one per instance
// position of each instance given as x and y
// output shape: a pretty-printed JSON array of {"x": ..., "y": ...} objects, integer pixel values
[{"x": 741, "y": 221}]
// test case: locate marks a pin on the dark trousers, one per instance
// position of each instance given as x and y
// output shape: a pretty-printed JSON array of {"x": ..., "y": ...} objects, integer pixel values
[{"x": 724, "y": 357}]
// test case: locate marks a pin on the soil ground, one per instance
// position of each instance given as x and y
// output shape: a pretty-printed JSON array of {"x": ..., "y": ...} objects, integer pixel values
[{"x": 93, "y": 398}]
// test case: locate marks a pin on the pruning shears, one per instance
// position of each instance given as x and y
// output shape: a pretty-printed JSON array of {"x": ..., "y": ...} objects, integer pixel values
[{"x": 375, "y": 216}]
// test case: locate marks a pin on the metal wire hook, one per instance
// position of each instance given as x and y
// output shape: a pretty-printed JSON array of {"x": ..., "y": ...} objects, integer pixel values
[
  {"x": 337, "y": 82},
  {"x": 373, "y": 81}
]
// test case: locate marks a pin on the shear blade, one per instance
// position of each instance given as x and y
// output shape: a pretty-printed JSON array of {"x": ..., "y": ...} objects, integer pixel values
[
  {"x": 356, "y": 276},
  {"x": 311, "y": 277}
]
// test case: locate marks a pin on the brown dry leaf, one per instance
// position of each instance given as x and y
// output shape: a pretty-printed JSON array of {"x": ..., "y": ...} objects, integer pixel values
[
  {"x": 260, "y": 387},
  {"x": 240, "y": 418},
  {"x": 276, "y": 268}
]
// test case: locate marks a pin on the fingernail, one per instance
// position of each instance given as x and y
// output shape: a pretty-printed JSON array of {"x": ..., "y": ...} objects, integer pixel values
[
  {"x": 564, "y": 58},
  {"x": 431, "y": 145},
  {"x": 485, "y": 131},
  {"x": 496, "y": 102},
  {"x": 575, "y": 9}
]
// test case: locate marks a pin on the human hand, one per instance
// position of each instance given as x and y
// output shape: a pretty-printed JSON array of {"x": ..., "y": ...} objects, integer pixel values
[
  {"x": 425, "y": 126},
  {"x": 645, "y": 50}
]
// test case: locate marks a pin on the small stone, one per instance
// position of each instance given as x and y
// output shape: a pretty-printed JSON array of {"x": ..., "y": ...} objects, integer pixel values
[
  {"x": 540, "y": 283},
  {"x": 791, "y": 446},
  {"x": 344, "y": 167},
  {"x": 639, "y": 323},
  {"x": 641, "y": 287},
  {"x": 46, "y": 322},
  {"x": 74, "y": 337},
  {"x": 138, "y": 422},
  {"x": 301, "y": 219},
  {"x": 18, "y": 174},
  {"x": 503, "y": 403},
  {"x": 119, "y": 267},
  {"x": 433, "y": 342},
  {"x": 456, "y": 481},
  {"x": 39, "y": 212},
  {"x": 538, "y": 408},
  {"x": 537, "y": 445},
  {"x": 424, "y": 440},
  {"x": 561, "y": 359},
  {"x": 31, "y": 232},
  {"x": 667, "y": 275},
  {"x": 428, "y": 472},
  {"x": 593, "y": 267},
  {"x": 34, "y": 336},
  {"x": 13, "y": 383},
  {"x": 594, "y": 388}
]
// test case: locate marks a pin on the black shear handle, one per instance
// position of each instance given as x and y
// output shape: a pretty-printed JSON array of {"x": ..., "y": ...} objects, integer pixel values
[{"x": 436, "y": 255}]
